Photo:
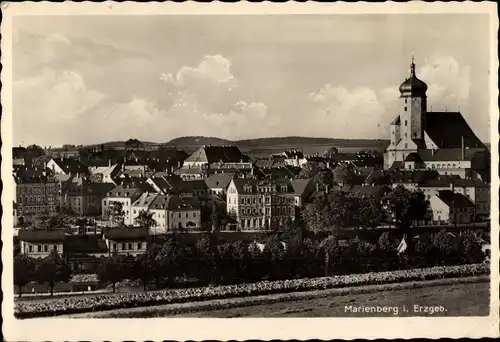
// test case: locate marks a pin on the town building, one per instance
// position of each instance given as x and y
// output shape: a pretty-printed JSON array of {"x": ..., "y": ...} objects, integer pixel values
[
  {"x": 218, "y": 183},
  {"x": 39, "y": 243},
  {"x": 36, "y": 194},
  {"x": 261, "y": 204},
  {"x": 448, "y": 207},
  {"x": 126, "y": 240},
  {"x": 67, "y": 166},
  {"x": 81, "y": 197},
  {"x": 184, "y": 214},
  {"x": 104, "y": 174}
]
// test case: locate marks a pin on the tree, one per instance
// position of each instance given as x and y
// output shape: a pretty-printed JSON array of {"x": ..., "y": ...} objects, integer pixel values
[
  {"x": 331, "y": 251},
  {"x": 146, "y": 267},
  {"x": 116, "y": 214},
  {"x": 24, "y": 271},
  {"x": 405, "y": 207},
  {"x": 274, "y": 254},
  {"x": 317, "y": 215},
  {"x": 470, "y": 248},
  {"x": 370, "y": 212},
  {"x": 308, "y": 171},
  {"x": 207, "y": 251},
  {"x": 172, "y": 258},
  {"x": 343, "y": 174},
  {"x": 145, "y": 219},
  {"x": 217, "y": 215},
  {"x": 51, "y": 270},
  {"x": 113, "y": 269},
  {"x": 35, "y": 151}
]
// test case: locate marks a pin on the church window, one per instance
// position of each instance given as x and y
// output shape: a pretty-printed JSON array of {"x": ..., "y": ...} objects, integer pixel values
[
  {"x": 406, "y": 100},
  {"x": 406, "y": 135},
  {"x": 406, "y": 122},
  {"x": 406, "y": 145},
  {"x": 406, "y": 108}
]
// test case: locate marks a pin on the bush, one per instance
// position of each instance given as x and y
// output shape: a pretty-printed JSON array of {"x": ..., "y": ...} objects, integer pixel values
[{"x": 63, "y": 306}]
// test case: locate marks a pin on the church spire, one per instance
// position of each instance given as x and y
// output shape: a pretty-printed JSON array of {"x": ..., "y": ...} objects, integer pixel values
[{"x": 412, "y": 66}]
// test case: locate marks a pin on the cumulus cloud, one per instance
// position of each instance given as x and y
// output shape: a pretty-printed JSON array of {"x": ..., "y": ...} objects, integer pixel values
[{"x": 449, "y": 82}]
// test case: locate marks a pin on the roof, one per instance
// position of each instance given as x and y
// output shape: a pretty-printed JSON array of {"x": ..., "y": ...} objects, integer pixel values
[
  {"x": 145, "y": 200},
  {"x": 176, "y": 203},
  {"x": 70, "y": 165},
  {"x": 219, "y": 180},
  {"x": 100, "y": 189},
  {"x": 254, "y": 185},
  {"x": 130, "y": 189},
  {"x": 301, "y": 186},
  {"x": 85, "y": 244},
  {"x": 413, "y": 157},
  {"x": 42, "y": 235},
  {"x": 412, "y": 86},
  {"x": 455, "y": 199},
  {"x": 374, "y": 190},
  {"x": 269, "y": 163},
  {"x": 397, "y": 165},
  {"x": 214, "y": 154},
  {"x": 445, "y": 181},
  {"x": 126, "y": 233},
  {"x": 396, "y": 121},
  {"x": 160, "y": 202},
  {"x": 446, "y": 130},
  {"x": 188, "y": 186},
  {"x": 450, "y": 154},
  {"x": 166, "y": 183},
  {"x": 293, "y": 154}
]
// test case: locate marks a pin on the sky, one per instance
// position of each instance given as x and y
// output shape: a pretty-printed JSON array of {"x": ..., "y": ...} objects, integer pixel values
[{"x": 92, "y": 79}]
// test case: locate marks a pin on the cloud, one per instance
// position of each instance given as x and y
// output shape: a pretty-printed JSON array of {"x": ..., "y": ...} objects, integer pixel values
[{"x": 449, "y": 82}]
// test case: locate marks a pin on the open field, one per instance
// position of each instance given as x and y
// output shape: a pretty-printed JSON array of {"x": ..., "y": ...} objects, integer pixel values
[{"x": 454, "y": 297}]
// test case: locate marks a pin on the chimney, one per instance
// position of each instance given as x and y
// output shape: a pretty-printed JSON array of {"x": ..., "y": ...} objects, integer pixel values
[
  {"x": 433, "y": 151},
  {"x": 452, "y": 187},
  {"x": 109, "y": 162}
]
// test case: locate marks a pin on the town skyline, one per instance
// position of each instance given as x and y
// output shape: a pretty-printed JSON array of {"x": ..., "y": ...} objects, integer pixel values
[{"x": 89, "y": 86}]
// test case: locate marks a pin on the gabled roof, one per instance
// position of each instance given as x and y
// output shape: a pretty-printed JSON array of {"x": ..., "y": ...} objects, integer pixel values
[
  {"x": 188, "y": 186},
  {"x": 70, "y": 165},
  {"x": 398, "y": 165},
  {"x": 160, "y": 202},
  {"x": 57, "y": 236},
  {"x": 455, "y": 199},
  {"x": 269, "y": 163},
  {"x": 145, "y": 200},
  {"x": 126, "y": 233},
  {"x": 302, "y": 187},
  {"x": 396, "y": 121},
  {"x": 214, "y": 154},
  {"x": 446, "y": 130},
  {"x": 176, "y": 203},
  {"x": 413, "y": 157},
  {"x": 219, "y": 180}
]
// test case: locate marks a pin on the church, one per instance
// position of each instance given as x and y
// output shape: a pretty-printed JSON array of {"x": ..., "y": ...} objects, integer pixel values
[{"x": 441, "y": 141}]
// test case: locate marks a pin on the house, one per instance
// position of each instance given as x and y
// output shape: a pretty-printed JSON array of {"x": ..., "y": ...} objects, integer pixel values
[
  {"x": 217, "y": 183},
  {"x": 194, "y": 188},
  {"x": 294, "y": 158},
  {"x": 126, "y": 240},
  {"x": 142, "y": 204},
  {"x": 126, "y": 194},
  {"x": 39, "y": 243},
  {"x": 158, "y": 208},
  {"x": 36, "y": 194},
  {"x": 449, "y": 207},
  {"x": 85, "y": 252},
  {"x": 67, "y": 166},
  {"x": 261, "y": 204},
  {"x": 302, "y": 188},
  {"x": 183, "y": 214},
  {"x": 82, "y": 197},
  {"x": 164, "y": 184},
  {"x": 229, "y": 155},
  {"x": 104, "y": 174}
]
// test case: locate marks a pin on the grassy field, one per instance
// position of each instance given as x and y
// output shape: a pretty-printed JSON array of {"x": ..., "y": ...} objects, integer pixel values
[{"x": 453, "y": 297}]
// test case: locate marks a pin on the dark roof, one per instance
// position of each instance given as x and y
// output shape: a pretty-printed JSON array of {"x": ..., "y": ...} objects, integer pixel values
[
  {"x": 413, "y": 176},
  {"x": 455, "y": 199},
  {"x": 126, "y": 233},
  {"x": 420, "y": 143},
  {"x": 253, "y": 184},
  {"x": 412, "y": 86},
  {"x": 446, "y": 180},
  {"x": 160, "y": 202},
  {"x": 219, "y": 180},
  {"x": 133, "y": 188},
  {"x": 269, "y": 163},
  {"x": 446, "y": 130},
  {"x": 413, "y": 157},
  {"x": 214, "y": 154},
  {"x": 166, "y": 183},
  {"x": 85, "y": 244},
  {"x": 398, "y": 165},
  {"x": 375, "y": 190},
  {"x": 70, "y": 165},
  {"x": 176, "y": 203},
  {"x": 188, "y": 186},
  {"x": 449, "y": 154},
  {"x": 42, "y": 235},
  {"x": 396, "y": 121},
  {"x": 100, "y": 189},
  {"x": 302, "y": 187}
]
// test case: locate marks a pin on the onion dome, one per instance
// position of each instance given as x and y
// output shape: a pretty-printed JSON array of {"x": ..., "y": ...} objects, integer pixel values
[{"x": 412, "y": 86}]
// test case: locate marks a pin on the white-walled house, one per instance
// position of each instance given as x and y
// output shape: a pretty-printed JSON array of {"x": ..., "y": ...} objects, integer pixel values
[
  {"x": 448, "y": 207},
  {"x": 126, "y": 240},
  {"x": 39, "y": 243}
]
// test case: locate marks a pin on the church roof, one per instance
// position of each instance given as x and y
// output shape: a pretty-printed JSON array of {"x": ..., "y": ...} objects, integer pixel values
[
  {"x": 412, "y": 86},
  {"x": 396, "y": 121},
  {"x": 446, "y": 130},
  {"x": 449, "y": 154}
]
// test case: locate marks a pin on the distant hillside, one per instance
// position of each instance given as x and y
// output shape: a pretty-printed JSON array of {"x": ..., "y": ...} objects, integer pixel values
[
  {"x": 198, "y": 141},
  {"x": 291, "y": 141}
]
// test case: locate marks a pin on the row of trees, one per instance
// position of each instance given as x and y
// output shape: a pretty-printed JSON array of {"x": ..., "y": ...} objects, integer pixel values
[
  {"x": 348, "y": 209},
  {"x": 210, "y": 261}
]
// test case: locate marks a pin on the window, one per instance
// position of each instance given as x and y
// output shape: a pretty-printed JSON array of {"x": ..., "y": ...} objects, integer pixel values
[
  {"x": 406, "y": 122},
  {"x": 39, "y": 248},
  {"x": 254, "y": 200},
  {"x": 123, "y": 246},
  {"x": 406, "y": 100},
  {"x": 139, "y": 245},
  {"x": 242, "y": 201},
  {"x": 187, "y": 215},
  {"x": 54, "y": 247},
  {"x": 406, "y": 135},
  {"x": 129, "y": 246},
  {"x": 45, "y": 248},
  {"x": 248, "y": 200},
  {"x": 194, "y": 214},
  {"x": 114, "y": 246},
  {"x": 30, "y": 249},
  {"x": 134, "y": 211},
  {"x": 406, "y": 145},
  {"x": 180, "y": 215},
  {"x": 406, "y": 109}
]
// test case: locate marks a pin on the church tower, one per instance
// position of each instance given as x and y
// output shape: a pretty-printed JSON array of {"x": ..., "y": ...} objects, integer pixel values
[{"x": 412, "y": 107}]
